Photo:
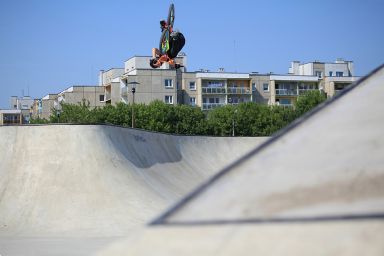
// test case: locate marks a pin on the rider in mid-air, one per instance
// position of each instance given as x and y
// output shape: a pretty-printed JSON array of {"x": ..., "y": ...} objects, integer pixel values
[{"x": 170, "y": 45}]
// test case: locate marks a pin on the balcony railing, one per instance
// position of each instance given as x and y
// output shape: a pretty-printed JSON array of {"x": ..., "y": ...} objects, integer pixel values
[
  {"x": 303, "y": 91},
  {"x": 207, "y": 106},
  {"x": 239, "y": 90},
  {"x": 213, "y": 90},
  {"x": 286, "y": 92}
]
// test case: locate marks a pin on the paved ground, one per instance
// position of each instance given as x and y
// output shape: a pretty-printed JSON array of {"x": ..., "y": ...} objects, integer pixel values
[{"x": 73, "y": 185}]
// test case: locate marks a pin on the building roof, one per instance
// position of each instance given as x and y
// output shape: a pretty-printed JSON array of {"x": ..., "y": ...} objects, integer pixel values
[{"x": 10, "y": 111}]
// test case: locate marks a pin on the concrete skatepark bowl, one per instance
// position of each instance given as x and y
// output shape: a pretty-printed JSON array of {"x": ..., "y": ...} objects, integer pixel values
[
  {"x": 71, "y": 189},
  {"x": 314, "y": 188}
]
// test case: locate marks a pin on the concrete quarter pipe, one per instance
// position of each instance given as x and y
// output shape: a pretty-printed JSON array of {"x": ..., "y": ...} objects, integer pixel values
[{"x": 68, "y": 181}]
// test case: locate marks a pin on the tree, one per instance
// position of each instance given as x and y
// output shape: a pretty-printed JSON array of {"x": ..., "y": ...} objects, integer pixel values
[{"x": 308, "y": 101}]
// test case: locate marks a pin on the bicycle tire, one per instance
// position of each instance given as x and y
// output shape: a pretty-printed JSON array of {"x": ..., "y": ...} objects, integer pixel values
[{"x": 171, "y": 16}]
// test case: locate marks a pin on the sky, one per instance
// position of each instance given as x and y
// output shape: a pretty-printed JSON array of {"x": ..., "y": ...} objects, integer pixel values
[{"x": 47, "y": 46}]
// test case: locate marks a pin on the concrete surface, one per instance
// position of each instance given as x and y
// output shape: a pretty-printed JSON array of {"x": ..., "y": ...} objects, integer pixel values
[
  {"x": 316, "y": 188},
  {"x": 63, "y": 184}
]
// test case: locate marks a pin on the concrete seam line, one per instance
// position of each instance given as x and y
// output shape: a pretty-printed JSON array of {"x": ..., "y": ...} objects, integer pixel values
[{"x": 332, "y": 218}]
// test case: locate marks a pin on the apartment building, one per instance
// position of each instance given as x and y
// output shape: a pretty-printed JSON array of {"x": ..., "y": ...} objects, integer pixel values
[
  {"x": 110, "y": 82},
  {"x": 150, "y": 84},
  {"x": 47, "y": 104},
  {"x": 333, "y": 76},
  {"x": 24, "y": 104},
  {"x": 77, "y": 94},
  {"x": 10, "y": 117},
  {"x": 209, "y": 90},
  {"x": 89, "y": 94},
  {"x": 203, "y": 89}
]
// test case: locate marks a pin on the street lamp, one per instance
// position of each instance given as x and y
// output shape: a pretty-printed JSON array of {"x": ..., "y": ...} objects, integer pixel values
[
  {"x": 133, "y": 90},
  {"x": 233, "y": 123}
]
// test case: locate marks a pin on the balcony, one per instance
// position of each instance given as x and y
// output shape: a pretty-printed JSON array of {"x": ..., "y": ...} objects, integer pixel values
[
  {"x": 213, "y": 90},
  {"x": 239, "y": 90},
  {"x": 303, "y": 91},
  {"x": 286, "y": 92},
  {"x": 208, "y": 106}
]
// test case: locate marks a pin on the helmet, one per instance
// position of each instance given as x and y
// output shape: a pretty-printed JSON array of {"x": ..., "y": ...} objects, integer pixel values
[
  {"x": 163, "y": 23},
  {"x": 152, "y": 62}
]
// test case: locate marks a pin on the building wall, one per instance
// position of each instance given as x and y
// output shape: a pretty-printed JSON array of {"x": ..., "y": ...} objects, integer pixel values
[
  {"x": 142, "y": 62},
  {"x": 189, "y": 93},
  {"x": 13, "y": 102},
  {"x": 47, "y": 104},
  {"x": 337, "y": 67},
  {"x": 89, "y": 94},
  {"x": 106, "y": 77},
  {"x": 151, "y": 85},
  {"x": 259, "y": 95},
  {"x": 9, "y": 117}
]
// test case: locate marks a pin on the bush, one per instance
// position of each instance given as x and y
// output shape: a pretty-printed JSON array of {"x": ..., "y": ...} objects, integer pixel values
[{"x": 245, "y": 119}]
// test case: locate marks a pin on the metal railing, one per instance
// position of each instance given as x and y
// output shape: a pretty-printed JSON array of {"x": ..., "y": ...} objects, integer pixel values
[
  {"x": 239, "y": 90},
  {"x": 207, "y": 106},
  {"x": 286, "y": 92},
  {"x": 213, "y": 90},
  {"x": 303, "y": 91}
]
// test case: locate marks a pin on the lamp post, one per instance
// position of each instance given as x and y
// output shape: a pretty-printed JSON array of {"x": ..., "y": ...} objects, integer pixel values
[
  {"x": 233, "y": 123},
  {"x": 133, "y": 90}
]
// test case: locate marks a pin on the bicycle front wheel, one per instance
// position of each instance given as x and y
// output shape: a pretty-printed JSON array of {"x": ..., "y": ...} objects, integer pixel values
[{"x": 171, "y": 15}]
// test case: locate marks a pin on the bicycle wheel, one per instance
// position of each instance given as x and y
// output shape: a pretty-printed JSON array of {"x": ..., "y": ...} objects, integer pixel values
[
  {"x": 164, "y": 42},
  {"x": 171, "y": 15}
]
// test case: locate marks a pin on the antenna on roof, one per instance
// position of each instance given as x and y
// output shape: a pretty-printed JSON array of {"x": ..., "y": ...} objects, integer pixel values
[{"x": 234, "y": 55}]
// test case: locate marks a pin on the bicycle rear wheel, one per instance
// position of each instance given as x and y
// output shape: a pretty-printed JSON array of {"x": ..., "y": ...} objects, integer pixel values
[{"x": 171, "y": 15}]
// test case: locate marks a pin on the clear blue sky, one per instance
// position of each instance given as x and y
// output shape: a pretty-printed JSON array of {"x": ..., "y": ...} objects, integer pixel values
[{"x": 48, "y": 46}]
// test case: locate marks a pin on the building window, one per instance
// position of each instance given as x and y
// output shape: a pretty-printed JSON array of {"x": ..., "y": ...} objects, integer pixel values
[
  {"x": 330, "y": 73},
  {"x": 168, "y": 99},
  {"x": 215, "y": 84},
  {"x": 319, "y": 74},
  {"x": 285, "y": 102},
  {"x": 266, "y": 87},
  {"x": 339, "y": 74},
  {"x": 253, "y": 87},
  {"x": 192, "y": 101},
  {"x": 192, "y": 86},
  {"x": 168, "y": 83},
  {"x": 101, "y": 97}
]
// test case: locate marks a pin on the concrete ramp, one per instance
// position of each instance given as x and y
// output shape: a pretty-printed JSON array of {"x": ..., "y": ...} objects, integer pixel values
[
  {"x": 316, "y": 188},
  {"x": 99, "y": 181}
]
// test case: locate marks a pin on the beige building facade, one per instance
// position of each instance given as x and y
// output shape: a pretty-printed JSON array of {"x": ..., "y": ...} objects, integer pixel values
[
  {"x": 209, "y": 90},
  {"x": 92, "y": 95},
  {"x": 203, "y": 89},
  {"x": 333, "y": 76},
  {"x": 11, "y": 117}
]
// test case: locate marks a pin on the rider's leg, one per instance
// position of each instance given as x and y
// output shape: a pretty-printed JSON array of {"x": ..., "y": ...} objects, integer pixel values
[{"x": 155, "y": 53}]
